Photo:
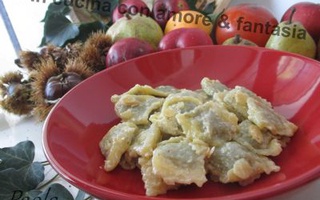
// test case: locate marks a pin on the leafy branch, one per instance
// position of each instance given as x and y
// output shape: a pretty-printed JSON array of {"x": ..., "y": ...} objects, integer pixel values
[
  {"x": 20, "y": 176},
  {"x": 65, "y": 24}
]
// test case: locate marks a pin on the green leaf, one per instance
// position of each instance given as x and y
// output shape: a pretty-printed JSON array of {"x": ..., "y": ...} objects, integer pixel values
[
  {"x": 18, "y": 156},
  {"x": 209, "y": 8},
  {"x": 192, "y": 4},
  {"x": 43, "y": 42},
  {"x": 214, "y": 18},
  {"x": 23, "y": 179},
  {"x": 105, "y": 7},
  {"x": 54, "y": 191},
  {"x": 86, "y": 29},
  {"x": 58, "y": 29},
  {"x": 32, "y": 194},
  {"x": 56, "y": 8},
  {"x": 56, "y": 24}
]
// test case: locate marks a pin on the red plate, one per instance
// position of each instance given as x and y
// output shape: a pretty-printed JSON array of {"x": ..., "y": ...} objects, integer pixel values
[{"x": 77, "y": 123}]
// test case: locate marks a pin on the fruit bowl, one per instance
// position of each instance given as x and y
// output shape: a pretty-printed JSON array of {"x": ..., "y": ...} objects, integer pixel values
[{"x": 77, "y": 123}]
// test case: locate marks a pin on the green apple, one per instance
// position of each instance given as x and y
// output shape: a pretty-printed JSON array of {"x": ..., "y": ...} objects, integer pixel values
[{"x": 136, "y": 26}]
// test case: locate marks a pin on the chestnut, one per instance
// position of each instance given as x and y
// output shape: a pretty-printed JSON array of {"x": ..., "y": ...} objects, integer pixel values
[{"x": 59, "y": 85}]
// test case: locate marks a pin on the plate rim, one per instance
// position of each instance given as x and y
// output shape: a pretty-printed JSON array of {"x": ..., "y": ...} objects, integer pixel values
[{"x": 81, "y": 184}]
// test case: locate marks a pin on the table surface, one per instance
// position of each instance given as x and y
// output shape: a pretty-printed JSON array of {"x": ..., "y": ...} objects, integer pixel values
[{"x": 14, "y": 129}]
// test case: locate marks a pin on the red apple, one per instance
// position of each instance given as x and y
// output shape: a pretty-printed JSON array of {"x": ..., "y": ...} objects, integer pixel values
[
  {"x": 132, "y": 7},
  {"x": 126, "y": 49},
  {"x": 252, "y": 21},
  {"x": 184, "y": 37},
  {"x": 308, "y": 14},
  {"x": 162, "y": 10}
]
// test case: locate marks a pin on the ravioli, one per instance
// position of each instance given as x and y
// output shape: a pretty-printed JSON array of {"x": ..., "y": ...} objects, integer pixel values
[
  {"x": 174, "y": 104},
  {"x": 236, "y": 100},
  {"x": 153, "y": 184},
  {"x": 266, "y": 118},
  {"x": 233, "y": 162},
  {"x": 209, "y": 122},
  {"x": 176, "y": 162},
  {"x": 116, "y": 142},
  {"x": 179, "y": 137},
  {"x": 259, "y": 141},
  {"x": 145, "y": 142},
  {"x": 137, "y": 108},
  {"x": 211, "y": 87},
  {"x": 148, "y": 90}
]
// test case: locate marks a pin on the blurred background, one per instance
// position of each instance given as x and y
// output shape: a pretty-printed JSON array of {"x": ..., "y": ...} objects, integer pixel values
[{"x": 26, "y": 16}]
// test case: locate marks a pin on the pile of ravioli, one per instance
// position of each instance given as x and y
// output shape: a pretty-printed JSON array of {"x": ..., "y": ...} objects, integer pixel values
[{"x": 180, "y": 137}]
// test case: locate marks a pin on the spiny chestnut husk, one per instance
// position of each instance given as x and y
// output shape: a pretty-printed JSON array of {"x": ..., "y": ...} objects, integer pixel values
[
  {"x": 95, "y": 50},
  {"x": 30, "y": 60},
  {"x": 62, "y": 55},
  {"x": 92, "y": 52},
  {"x": 53, "y": 70},
  {"x": 15, "y": 94},
  {"x": 50, "y": 83}
]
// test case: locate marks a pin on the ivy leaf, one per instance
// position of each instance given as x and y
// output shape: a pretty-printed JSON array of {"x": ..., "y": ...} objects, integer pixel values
[
  {"x": 32, "y": 194},
  {"x": 58, "y": 29},
  {"x": 20, "y": 176},
  {"x": 57, "y": 8},
  {"x": 23, "y": 179},
  {"x": 86, "y": 29},
  {"x": 105, "y": 7},
  {"x": 209, "y": 8},
  {"x": 192, "y": 4},
  {"x": 18, "y": 156},
  {"x": 57, "y": 11},
  {"x": 54, "y": 191}
]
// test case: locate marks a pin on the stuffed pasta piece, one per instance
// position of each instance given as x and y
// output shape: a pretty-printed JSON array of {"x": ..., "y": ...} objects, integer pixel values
[
  {"x": 175, "y": 162},
  {"x": 233, "y": 162}
]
